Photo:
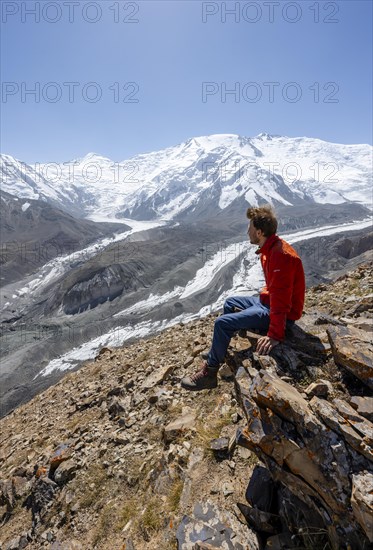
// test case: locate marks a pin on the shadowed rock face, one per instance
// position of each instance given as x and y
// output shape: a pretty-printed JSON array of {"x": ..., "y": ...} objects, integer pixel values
[
  {"x": 350, "y": 247},
  {"x": 104, "y": 285},
  {"x": 34, "y": 232}
]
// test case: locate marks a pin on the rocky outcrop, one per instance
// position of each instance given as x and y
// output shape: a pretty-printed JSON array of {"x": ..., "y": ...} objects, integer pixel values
[
  {"x": 106, "y": 284},
  {"x": 316, "y": 443},
  {"x": 353, "y": 349},
  {"x": 310, "y": 449}
]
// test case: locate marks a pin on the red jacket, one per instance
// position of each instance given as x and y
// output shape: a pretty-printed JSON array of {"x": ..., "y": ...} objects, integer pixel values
[{"x": 285, "y": 284}]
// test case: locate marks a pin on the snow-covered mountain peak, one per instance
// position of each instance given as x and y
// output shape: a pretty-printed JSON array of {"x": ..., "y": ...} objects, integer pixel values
[
  {"x": 217, "y": 140},
  {"x": 91, "y": 157},
  {"x": 204, "y": 173},
  {"x": 264, "y": 136}
]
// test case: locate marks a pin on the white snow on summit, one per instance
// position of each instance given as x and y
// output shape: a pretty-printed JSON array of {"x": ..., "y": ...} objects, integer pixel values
[{"x": 162, "y": 184}]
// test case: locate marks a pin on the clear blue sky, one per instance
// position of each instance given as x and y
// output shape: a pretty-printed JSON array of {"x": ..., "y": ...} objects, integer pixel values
[{"x": 169, "y": 53}]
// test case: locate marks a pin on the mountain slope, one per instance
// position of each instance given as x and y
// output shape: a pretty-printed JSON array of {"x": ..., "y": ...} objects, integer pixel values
[
  {"x": 117, "y": 455},
  {"x": 203, "y": 175},
  {"x": 33, "y": 232}
]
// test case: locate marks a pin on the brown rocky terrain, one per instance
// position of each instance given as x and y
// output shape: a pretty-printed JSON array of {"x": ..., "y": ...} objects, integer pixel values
[{"x": 118, "y": 456}]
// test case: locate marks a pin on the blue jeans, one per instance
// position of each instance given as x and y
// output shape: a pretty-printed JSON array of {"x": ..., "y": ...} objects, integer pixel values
[{"x": 254, "y": 315}]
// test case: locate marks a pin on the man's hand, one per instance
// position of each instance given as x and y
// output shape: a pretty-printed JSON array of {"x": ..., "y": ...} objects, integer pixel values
[{"x": 265, "y": 345}]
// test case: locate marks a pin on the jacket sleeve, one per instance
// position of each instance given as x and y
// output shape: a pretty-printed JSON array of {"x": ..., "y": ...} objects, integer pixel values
[{"x": 280, "y": 288}]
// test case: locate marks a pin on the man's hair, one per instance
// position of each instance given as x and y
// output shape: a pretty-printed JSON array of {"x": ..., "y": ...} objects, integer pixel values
[{"x": 263, "y": 217}]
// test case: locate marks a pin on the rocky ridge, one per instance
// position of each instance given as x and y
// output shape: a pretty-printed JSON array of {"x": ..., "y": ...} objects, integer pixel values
[{"x": 117, "y": 455}]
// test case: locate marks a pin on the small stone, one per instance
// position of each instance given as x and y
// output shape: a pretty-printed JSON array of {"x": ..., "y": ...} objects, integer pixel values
[
  {"x": 235, "y": 418},
  {"x": 226, "y": 372},
  {"x": 75, "y": 508},
  {"x": 321, "y": 388},
  {"x": 117, "y": 391},
  {"x": 179, "y": 426},
  {"x": 129, "y": 384},
  {"x": 157, "y": 376},
  {"x": 120, "y": 440},
  {"x": 241, "y": 343},
  {"x": 69, "y": 497},
  {"x": 326, "y": 348},
  {"x": 103, "y": 350},
  {"x": 65, "y": 472},
  {"x": 227, "y": 488},
  {"x": 220, "y": 444},
  {"x": 163, "y": 403},
  {"x": 188, "y": 361},
  {"x": 224, "y": 409},
  {"x": 252, "y": 371},
  {"x": 197, "y": 350},
  {"x": 62, "y": 453},
  {"x": 12, "y": 544},
  {"x": 20, "y": 486},
  {"x": 23, "y": 541},
  {"x": 324, "y": 319},
  {"x": 129, "y": 422},
  {"x": 244, "y": 453},
  {"x": 116, "y": 408}
]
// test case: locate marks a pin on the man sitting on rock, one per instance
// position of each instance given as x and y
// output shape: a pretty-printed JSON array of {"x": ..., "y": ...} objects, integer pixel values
[{"x": 279, "y": 304}]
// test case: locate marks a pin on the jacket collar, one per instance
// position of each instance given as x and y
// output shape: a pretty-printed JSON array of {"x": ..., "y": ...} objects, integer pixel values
[{"x": 270, "y": 241}]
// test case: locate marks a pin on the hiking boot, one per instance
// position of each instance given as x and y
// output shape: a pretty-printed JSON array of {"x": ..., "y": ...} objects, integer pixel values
[{"x": 204, "y": 379}]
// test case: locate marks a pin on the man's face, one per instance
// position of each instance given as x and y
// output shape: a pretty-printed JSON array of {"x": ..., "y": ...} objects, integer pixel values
[{"x": 253, "y": 233}]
